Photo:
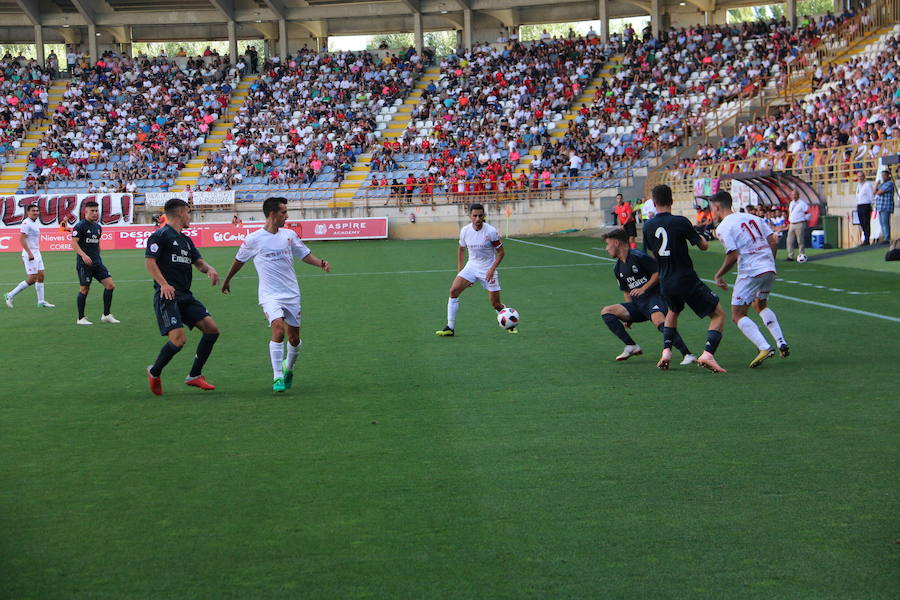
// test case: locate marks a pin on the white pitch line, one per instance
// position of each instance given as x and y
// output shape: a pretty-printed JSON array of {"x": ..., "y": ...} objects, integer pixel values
[{"x": 801, "y": 300}]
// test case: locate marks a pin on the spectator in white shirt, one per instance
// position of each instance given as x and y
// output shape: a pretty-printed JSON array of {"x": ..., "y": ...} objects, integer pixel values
[
  {"x": 798, "y": 215},
  {"x": 864, "y": 195}
]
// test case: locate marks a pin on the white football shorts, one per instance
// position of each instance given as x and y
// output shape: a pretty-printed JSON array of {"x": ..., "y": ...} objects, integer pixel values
[
  {"x": 33, "y": 266},
  {"x": 748, "y": 289},
  {"x": 289, "y": 310},
  {"x": 475, "y": 273}
]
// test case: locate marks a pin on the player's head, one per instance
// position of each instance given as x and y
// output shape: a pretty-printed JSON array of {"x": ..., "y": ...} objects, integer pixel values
[
  {"x": 476, "y": 213},
  {"x": 721, "y": 204},
  {"x": 616, "y": 240},
  {"x": 91, "y": 211},
  {"x": 662, "y": 196},
  {"x": 32, "y": 211},
  {"x": 178, "y": 212},
  {"x": 275, "y": 209}
]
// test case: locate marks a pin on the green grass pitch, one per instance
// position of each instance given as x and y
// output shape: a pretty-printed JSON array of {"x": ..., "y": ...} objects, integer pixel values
[{"x": 488, "y": 465}]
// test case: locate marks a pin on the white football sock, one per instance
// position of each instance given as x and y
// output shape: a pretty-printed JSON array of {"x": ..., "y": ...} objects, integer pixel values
[
  {"x": 771, "y": 321},
  {"x": 293, "y": 353},
  {"x": 39, "y": 288},
  {"x": 452, "y": 307},
  {"x": 22, "y": 285},
  {"x": 276, "y": 352},
  {"x": 750, "y": 329}
]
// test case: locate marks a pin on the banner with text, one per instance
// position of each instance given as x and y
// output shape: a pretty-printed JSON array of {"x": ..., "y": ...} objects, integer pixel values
[
  {"x": 209, "y": 235},
  {"x": 115, "y": 209},
  {"x": 223, "y": 198}
]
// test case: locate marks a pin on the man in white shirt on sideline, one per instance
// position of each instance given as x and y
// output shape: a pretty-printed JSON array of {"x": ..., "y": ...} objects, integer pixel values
[
  {"x": 273, "y": 250},
  {"x": 485, "y": 253},
  {"x": 798, "y": 215},
  {"x": 30, "y": 239},
  {"x": 865, "y": 194},
  {"x": 750, "y": 243}
]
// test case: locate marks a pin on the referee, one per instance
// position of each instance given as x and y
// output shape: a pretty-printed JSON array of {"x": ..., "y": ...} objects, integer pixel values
[{"x": 626, "y": 220}]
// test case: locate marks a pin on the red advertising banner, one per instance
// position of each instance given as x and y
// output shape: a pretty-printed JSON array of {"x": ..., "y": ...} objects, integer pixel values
[
  {"x": 208, "y": 235},
  {"x": 115, "y": 209}
]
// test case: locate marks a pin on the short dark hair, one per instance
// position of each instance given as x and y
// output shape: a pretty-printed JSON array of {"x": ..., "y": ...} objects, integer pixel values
[
  {"x": 662, "y": 195},
  {"x": 475, "y": 206},
  {"x": 616, "y": 234},
  {"x": 91, "y": 204},
  {"x": 270, "y": 205},
  {"x": 30, "y": 206},
  {"x": 723, "y": 199},
  {"x": 173, "y": 205}
]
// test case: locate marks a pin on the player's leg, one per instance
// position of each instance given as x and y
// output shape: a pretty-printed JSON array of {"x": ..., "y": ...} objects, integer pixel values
[
  {"x": 293, "y": 352},
  {"x": 616, "y": 316},
  {"x": 31, "y": 276},
  {"x": 456, "y": 288},
  {"x": 670, "y": 330},
  {"x": 658, "y": 318},
  {"x": 771, "y": 321},
  {"x": 493, "y": 290},
  {"x": 276, "y": 352},
  {"x": 168, "y": 317},
  {"x": 210, "y": 334},
  {"x": 109, "y": 287},
  {"x": 704, "y": 303},
  {"x": 39, "y": 287},
  {"x": 81, "y": 301}
]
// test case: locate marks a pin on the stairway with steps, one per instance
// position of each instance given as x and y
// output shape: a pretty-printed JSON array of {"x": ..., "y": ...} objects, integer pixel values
[
  {"x": 561, "y": 127},
  {"x": 398, "y": 122},
  {"x": 190, "y": 174},
  {"x": 14, "y": 172}
]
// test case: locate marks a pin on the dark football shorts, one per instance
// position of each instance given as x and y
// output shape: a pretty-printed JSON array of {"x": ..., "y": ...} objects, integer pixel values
[
  {"x": 183, "y": 310},
  {"x": 630, "y": 228},
  {"x": 640, "y": 309},
  {"x": 693, "y": 293},
  {"x": 87, "y": 273}
]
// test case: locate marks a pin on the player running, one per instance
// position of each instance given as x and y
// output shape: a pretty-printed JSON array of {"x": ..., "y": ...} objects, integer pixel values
[
  {"x": 30, "y": 239},
  {"x": 667, "y": 236},
  {"x": 88, "y": 264},
  {"x": 169, "y": 256},
  {"x": 273, "y": 249},
  {"x": 639, "y": 280},
  {"x": 751, "y": 243},
  {"x": 485, "y": 254}
]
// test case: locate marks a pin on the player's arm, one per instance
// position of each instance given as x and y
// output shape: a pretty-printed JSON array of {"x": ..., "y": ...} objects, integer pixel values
[
  {"x": 23, "y": 239},
  {"x": 498, "y": 258},
  {"x": 207, "y": 269},
  {"x": 730, "y": 260},
  {"x": 460, "y": 256},
  {"x": 165, "y": 290},
  {"x": 692, "y": 236},
  {"x": 654, "y": 280},
  {"x": 317, "y": 262},
  {"x": 773, "y": 244},
  {"x": 235, "y": 267}
]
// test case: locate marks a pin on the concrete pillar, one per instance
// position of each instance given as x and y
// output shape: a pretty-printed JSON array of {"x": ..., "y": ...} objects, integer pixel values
[
  {"x": 39, "y": 44},
  {"x": 707, "y": 17},
  {"x": 232, "y": 42},
  {"x": 322, "y": 44},
  {"x": 92, "y": 43},
  {"x": 791, "y": 9},
  {"x": 418, "y": 34},
  {"x": 603, "y": 17},
  {"x": 282, "y": 39},
  {"x": 655, "y": 17},
  {"x": 467, "y": 29}
]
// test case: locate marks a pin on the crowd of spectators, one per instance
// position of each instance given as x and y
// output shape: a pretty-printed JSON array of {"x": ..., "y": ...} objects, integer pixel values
[{"x": 24, "y": 86}]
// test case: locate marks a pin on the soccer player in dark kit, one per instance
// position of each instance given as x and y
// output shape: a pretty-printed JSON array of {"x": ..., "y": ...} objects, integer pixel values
[
  {"x": 667, "y": 236},
  {"x": 169, "y": 257},
  {"x": 88, "y": 264}
]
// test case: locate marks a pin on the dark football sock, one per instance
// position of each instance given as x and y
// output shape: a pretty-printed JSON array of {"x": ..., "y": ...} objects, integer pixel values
[
  {"x": 678, "y": 342},
  {"x": 82, "y": 299},
  {"x": 204, "y": 349},
  {"x": 669, "y": 334},
  {"x": 713, "y": 338},
  {"x": 615, "y": 325},
  {"x": 107, "y": 301},
  {"x": 165, "y": 355}
]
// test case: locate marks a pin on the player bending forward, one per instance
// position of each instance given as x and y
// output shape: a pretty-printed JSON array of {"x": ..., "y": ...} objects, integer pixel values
[
  {"x": 638, "y": 278},
  {"x": 667, "y": 235},
  {"x": 273, "y": 250},
  {"x": 485, "y": 254},
  {"x": 30, "y": 238},
  {"x": 169, "y": 257},
  {"x": 750, "y": 243},
  {"x": 88, "y": 265}
]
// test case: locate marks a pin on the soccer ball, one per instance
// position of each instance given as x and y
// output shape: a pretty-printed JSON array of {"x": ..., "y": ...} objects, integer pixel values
[
  {"x": 801, "y": 258},
  {"x": 508, "y": 318}
]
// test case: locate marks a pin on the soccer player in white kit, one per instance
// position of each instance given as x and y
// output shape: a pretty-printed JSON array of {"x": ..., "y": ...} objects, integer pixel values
[
  {"x": 485, "y": 253},
  {"x": 751, "y": 243},
  {"x": 273, "y": 250},
  {"x": 30, "y": 238}
]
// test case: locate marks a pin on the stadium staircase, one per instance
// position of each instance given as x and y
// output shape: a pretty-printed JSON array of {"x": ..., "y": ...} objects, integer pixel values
[
  {"x": 190, "y": 174},
  {"x": 400, "y": 120},
  {"x": 561, "y": 127},
  {"x": 15, "y": 171}
]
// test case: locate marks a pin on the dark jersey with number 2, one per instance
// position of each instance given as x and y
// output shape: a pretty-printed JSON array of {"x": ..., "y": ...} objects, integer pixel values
[
  {"x": 667, "y": 236},
  {"x": 175, "y": 254}
]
